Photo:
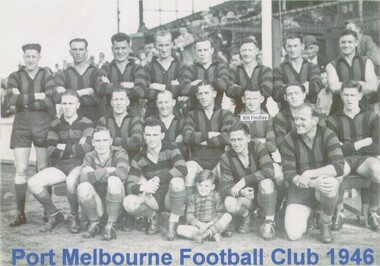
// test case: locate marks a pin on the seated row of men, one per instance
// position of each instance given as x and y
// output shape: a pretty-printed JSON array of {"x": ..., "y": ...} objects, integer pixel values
[{"x": 163, "y": 173}]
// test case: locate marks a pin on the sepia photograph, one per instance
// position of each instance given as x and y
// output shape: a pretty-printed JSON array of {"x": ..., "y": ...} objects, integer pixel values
[{"x": 190, "y": 132}]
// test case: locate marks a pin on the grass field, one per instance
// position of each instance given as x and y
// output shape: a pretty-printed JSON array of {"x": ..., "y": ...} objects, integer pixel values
[{"x": 28, "y": 237}]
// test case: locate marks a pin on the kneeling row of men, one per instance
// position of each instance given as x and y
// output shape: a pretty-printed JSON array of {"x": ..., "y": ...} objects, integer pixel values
[{"x": 158, "y": 177}]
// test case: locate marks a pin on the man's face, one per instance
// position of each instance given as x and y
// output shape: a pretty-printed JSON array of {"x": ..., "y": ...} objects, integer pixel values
[
  {"x": 153, "y": 136},
  {"x": 311, "y": 51},
  {"x": 164, "y": 46},
  {"x": 78, "y": 51},
  {"x": 31, "y": 59},
  {"x": 252, "y": 100},
  {"x": 294, "y": 48},
  {"x": 347, "y": 45},
  {"x": 239, "y": 141},
  {"x": 205, "y": 187},
  {"x": 248, "y": 52},
  {"x": 102, "y": 142},
  {"x": 148, "y": 48},
  {"x": 120, "y": 51},
  {"x": 165, "y": 104},
  {"x": 119, "y": 102},
  {"x": 294, "y": 96},
  {"x": 70, "y": 105},
  {"x": 351, "y": 98},
  {"x": 304, "y": 121},
  {"x": 204, "y": 52},
  {"x": 235, "y": 60},
  {"x": 206, "y": 95}
]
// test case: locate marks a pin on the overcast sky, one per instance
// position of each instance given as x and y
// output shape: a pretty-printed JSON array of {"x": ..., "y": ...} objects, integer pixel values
[{"x": 52, "y": 23}]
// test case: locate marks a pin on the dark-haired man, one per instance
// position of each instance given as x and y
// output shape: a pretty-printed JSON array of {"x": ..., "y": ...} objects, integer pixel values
[
  {"x": 30, "y": 90},
  {"x": 206, "y": 132},
  {"x": 81, "y": 77},
  {"x": 296, "y": 69},
  {"x": 283, "y": 122},
  {"x": 358, "y": 132},
  {"x": 246, "y": 171},
  {"x": 155, "y": 181},
  {"x": 67, "y": 142},
  {"x": 103, "y": 173},
  {"x": 350, "y": 66},
  {"x": 121, "y": 71}
]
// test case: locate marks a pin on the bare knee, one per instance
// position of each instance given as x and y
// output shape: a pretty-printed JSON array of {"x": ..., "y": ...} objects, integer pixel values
[
  {"x": 192, "y": 171},
  {"x": 131, "y": 203},
  {"x": 230, "y": 203},
  {"x": 114, "y": 185},
  {"x": 85, "y": 191},
  {"x": 278, "y": 174},
  {"x": 72, "y": 183},
  {"x": 177, "y": 184},
  {"x": 266, "y": 186}
]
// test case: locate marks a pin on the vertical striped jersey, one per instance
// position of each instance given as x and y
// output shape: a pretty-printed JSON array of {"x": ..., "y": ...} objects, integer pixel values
[
  {"x": 297, "y": 156},
  {"x": 346, "y": 72},
  {"x": 217, "y": 73},
  {"x": 232, "y": 169},
  {"x": 128, "y": 136},
  {"x": 261, "y": 78},
  {"x": 261, "y": 129},
  {"x": 283, "y": 123},
  {"x": 42, "y": 82},
  {"x": 196, "y": 128},
  {"x": 156, "y": 73},
  {"x": 71, "y": 79},
  {"x": 349, "y": 130},
  {"x": 132, "y": 73},
  {"x": 285, "y": 74}
]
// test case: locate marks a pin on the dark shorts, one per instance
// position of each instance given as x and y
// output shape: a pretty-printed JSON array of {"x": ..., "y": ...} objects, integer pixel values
[
  {"x": 160, "y": 195},
  {"x": 30, "y": 127},
  {"x": 67, "y": 165},
  {"x": 302, "y": 196},
  {"x": 208, "y": 164},
  {"x": 355, "y": 161}
]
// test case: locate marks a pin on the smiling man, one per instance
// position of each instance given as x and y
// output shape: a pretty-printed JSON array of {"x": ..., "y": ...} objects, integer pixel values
[
  {"x": 80, "y": 77},
  {"x": 312, "y": 162},
  {"x": 67, "y": 142},
  {"x": 156, "y": 180},
  {"x": 163, "y": 73},
  {"x": 247, "y": 174},
  {"x": 296, "y": 69},
  {"x": 30, "y": 90},
  {"x": 351, "y": 66},
  {"x": 121, "y": 71}
]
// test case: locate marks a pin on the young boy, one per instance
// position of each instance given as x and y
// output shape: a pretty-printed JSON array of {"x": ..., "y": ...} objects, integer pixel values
[{"x": 205, "y": 211}]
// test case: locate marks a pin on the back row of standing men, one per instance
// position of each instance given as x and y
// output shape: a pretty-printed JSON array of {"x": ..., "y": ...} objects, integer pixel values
[{"x": 188, "y": 100}]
